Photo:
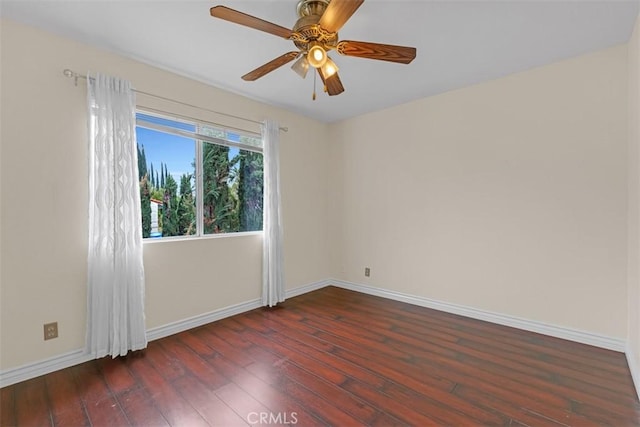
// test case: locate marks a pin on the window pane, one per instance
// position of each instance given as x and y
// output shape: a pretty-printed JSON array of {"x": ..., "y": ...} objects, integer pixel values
[
  {"x": 219, "y": 205},
  {"x": 166, "y": 168},
  {"x": 232, "y": 189},
  {"x": 211, "y": 131},
  {"x": 231, "y": 135},
  {"x": 226, "y": 185},
  {"x": 166, "y": 122},
  {"x": 250, "y": 191}
]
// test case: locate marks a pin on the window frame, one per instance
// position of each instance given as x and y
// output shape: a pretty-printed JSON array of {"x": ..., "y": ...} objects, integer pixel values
[{"x": 199, "y": 139}]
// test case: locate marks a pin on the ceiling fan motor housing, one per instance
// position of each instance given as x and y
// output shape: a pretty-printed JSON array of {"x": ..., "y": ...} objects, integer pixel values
[{"x": 306, "y": 30}]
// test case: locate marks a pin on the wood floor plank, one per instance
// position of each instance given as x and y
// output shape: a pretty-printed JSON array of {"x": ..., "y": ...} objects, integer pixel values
[
  {"x": 107, "y": 412},
  {"x": 8, "y": 406},
  {"x": 552, "y": 387},
  {"x": 327, "y": 413},
  {"x": 175, "y": 409},
  {"x": 67, "y": 407},
  {"x": 521, "y": 409},
  {"x": 574, "y": 369},
  {"x": 520, "y": 415},
  {"x": 309, "y": 347},
  {"x": 170, "y": 368},
  {"x": 386, "y": 420},
  {"x": 338, "y": 357},
  {"x": 395, "y": 408},
  {"x": 335, "y": 395},
  {"x": 32, "y": 406},
  {"x": 241, "y": 402},
  {"x": 116, "y": 374},
  {"x": 522, "y": 398},
  {"x": 225, "y": 348},
  {"x": 400, "y": 372},
  {"x": 284, "y": 352},
  {"x": 101, "y": 406},
  {"x": 476, "y": 343},
  {"x": 140, "y": 409},
  {"x": 199, "y": 346},
  {"x": 600, "y": 415},
  {"x": 444, "y": 407},
  {"x": 193, "y": 363},
  {"x": 278, "y": 403},
  {"x": 209, "y": 406}
]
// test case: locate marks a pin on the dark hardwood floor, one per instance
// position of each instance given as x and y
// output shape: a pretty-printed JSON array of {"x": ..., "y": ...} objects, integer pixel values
[{"x": 336, "y": 357}]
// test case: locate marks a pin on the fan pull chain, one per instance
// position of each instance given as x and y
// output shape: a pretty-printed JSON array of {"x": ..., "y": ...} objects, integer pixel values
[{"x": 314, "y": 86}]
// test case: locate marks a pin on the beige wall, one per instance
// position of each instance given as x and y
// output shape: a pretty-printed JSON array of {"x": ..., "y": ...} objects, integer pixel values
[
  {"x": 633, "y": 337},
  {"x": 508, "y": 196},
  {"x": 44, "y": 200}
]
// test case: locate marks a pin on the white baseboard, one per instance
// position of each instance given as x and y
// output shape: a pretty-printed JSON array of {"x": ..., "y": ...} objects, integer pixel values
[
  {"x": 308, "y": 288},
  {"x": 501, "y": 319},
  {"x": 202, "y": 319},
  {"x": 632, "y": 361},
  {"x": 32, "y": 370},
  {"x": 42, "y": 367}
]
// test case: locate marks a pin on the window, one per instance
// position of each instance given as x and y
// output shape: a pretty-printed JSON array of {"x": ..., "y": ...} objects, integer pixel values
[{"x": 197, "y": 179}]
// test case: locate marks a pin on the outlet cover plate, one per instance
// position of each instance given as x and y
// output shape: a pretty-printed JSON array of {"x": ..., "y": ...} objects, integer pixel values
[{"x": 50, "y": 331}]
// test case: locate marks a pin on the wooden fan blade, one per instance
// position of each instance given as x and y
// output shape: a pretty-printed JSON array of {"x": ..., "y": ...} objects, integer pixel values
[
  {"x": 333, "y": 83},
  {"x": 270, "y": 66},
  {"x": 234, "y": 16},
  {"x": 383, "y": 52},
  {"x": 337, "y": 13}
]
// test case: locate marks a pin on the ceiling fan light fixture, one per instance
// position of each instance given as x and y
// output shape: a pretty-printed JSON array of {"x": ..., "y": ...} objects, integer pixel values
[
  {"x": 329, "y": 68},
  {"x": 317, "y": 56},
  {"x": 301, "y": 66}
]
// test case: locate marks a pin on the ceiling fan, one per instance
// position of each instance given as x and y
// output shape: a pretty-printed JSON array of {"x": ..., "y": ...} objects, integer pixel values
[{"x": 315, "y": 34}]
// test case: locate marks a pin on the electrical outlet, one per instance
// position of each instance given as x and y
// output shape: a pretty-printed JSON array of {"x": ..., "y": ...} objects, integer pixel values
[
  {"x": 367, "y": 272},
  {"x": 50, "y": 331}
]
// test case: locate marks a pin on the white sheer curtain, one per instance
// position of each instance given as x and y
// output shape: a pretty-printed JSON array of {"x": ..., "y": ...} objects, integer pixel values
[
  {"x": 115, "y": 312},
  {"x": 272, "y": 258}
]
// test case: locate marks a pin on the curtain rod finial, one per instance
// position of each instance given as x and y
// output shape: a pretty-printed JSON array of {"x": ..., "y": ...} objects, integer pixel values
[{"x": 70, "y": 74}]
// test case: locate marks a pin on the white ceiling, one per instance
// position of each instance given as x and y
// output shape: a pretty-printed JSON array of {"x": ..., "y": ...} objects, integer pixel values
[{"x": 459, "y": 43}]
